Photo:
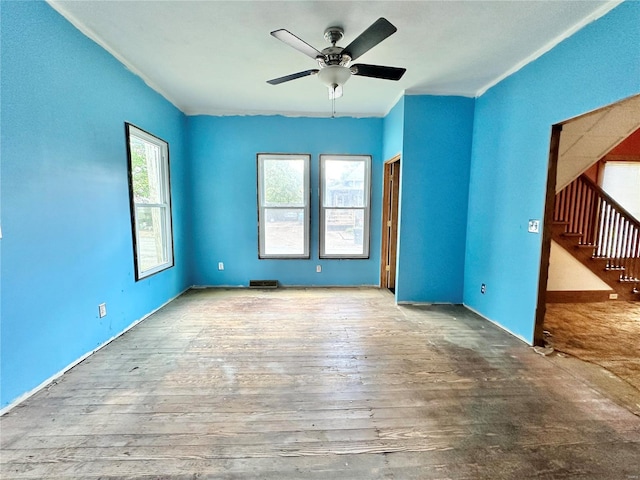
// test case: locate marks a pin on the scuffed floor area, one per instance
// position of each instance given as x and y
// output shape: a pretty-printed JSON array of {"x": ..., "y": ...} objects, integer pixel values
[{"x": 604, "y": 333}]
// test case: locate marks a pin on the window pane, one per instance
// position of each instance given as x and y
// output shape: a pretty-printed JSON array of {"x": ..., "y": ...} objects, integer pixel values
[
  {"x": 344, "y": 232},
  {"x": 150, "y": 199},
  {"x": 284, "y": 232},
  {"x": 621, "y": 180},
  {"x": 146, "y": 171},
  {"x": 151, "y": 242},
  {"x": 344, "y": 206},
  {"x": 344, "y": 183},
  {"x": 283, "y": 197},
  {"x": 284, "y": 182}
]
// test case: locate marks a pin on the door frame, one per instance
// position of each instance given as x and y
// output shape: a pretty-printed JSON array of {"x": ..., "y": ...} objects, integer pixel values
[
  {"x": 543, "y": 276},
  {"x": 390, "y": 211}
]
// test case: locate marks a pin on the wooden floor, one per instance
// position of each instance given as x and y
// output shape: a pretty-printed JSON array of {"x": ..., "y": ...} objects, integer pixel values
[
  {"x": 318, "y": 384},
  {"x": 603, "y": 333}
]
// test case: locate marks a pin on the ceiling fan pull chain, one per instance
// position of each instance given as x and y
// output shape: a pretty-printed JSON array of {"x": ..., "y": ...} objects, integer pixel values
[{"x": 333, "y": 106}]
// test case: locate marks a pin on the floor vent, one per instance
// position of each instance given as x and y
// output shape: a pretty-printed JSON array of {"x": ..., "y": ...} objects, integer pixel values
[{"x": 263, "y": 284}]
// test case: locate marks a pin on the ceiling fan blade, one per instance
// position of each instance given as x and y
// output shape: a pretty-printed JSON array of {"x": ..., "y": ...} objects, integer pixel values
[
  {"x": 378, "y": 71},
  {"x": 293, "y": 76},
  {"x": 290, "y": 39},
  {"x": 377, "y": 32}
]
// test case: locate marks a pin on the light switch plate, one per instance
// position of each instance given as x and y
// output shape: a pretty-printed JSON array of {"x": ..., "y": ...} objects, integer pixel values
[{"x": 534, "y": 226}]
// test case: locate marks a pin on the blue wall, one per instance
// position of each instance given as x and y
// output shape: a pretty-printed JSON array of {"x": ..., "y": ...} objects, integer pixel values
[
  {"x": 393, "y": 131},
  {"x": 67, "y": 243},
  {"x": 597, "y": 66},
  {"x": 223, "y": 163},
  {"x": 434, "y": 196}
]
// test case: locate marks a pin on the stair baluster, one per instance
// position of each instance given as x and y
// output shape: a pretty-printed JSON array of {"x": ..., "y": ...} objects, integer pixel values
[{"x": 599, "y": 222}]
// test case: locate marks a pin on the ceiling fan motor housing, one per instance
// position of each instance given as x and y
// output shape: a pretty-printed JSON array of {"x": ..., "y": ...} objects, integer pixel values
[{"x": 333, "y": 56}]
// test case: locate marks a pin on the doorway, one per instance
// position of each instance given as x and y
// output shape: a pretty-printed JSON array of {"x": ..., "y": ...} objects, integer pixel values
[
  {"x": 576, "y": 145},
  {"x": 391, "y": 195},
  {"x": 571, "y": 318}
]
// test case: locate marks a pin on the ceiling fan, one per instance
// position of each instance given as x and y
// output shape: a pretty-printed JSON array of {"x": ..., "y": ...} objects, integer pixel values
[{"x": 335, "y": 62}]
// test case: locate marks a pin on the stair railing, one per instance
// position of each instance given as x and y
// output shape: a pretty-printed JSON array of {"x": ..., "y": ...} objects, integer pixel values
[{"x": 602, "y": 223}]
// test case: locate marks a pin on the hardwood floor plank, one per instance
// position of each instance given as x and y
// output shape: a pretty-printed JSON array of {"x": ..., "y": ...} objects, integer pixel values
[{"x": 317, "y": 383}]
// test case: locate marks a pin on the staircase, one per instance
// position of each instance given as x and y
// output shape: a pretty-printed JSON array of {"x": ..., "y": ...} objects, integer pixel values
[{"x": 601, "y": 234}]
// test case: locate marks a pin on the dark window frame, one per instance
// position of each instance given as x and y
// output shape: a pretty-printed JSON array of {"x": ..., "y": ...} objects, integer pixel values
[
  {"x": 133, "y": 130},
  {"x": 262, "y": 206},
  {"x": 366, "y": 235}
]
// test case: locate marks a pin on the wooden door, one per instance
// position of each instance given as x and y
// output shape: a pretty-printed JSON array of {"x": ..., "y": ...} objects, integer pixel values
[{"x": 390, "y": 223}]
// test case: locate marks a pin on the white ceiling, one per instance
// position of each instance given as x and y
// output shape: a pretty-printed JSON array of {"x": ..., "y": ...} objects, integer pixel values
[
  {"x": 589, "y": 137},
  {"x": 214, "y": 57}
]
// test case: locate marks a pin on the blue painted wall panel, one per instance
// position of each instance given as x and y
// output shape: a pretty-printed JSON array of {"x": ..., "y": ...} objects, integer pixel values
[
  {"x": 224, "y": 183},
  {"x": 67, "y": 242},
  {"x": 598, "y": 65},
  {"x": 393, "y": 131},
  {"x": 434, "y": 197}
]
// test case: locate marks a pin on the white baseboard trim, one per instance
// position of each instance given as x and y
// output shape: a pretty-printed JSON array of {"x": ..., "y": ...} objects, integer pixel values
[
  {"x": 54, "y": 377},
  {"x": 501, "y": 327}
]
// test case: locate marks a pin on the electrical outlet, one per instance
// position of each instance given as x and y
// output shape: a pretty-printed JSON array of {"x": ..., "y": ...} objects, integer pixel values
[
  {"x": 613, "y": 296},
  {"x": 102, "y": 310},
  {"x": 318, "y": 268},
  {"x": 483, "y": 288},
  {"x": 534, "y": 226},
  {"x": 220, "y": 266}
]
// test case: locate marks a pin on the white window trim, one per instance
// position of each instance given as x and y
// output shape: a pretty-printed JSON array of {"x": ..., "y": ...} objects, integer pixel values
[
  {"x": 366, "y": 207},
  {"x": 165, "y": 206},
  {"x": 262, "y": 205}
]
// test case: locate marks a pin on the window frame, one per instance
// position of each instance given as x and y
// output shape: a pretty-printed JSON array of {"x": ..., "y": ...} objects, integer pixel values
[
  {"x": 262, "y": 206},
  {"x": 164, "y": 205},
  {"x": 366, "y": 208}
]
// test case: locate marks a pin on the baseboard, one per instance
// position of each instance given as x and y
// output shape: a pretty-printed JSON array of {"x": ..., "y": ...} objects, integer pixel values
[
  {"x": 501, "y": 327},
  {"x": 280, "y": 285},
  {"x": 578, "y": 296},
  {"x": 57, "y": 375}
]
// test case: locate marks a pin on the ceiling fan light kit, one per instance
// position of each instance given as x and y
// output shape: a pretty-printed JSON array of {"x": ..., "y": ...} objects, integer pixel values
[
  {"x": 334, "y": 77},
  {"x": 335, "y": 62}
]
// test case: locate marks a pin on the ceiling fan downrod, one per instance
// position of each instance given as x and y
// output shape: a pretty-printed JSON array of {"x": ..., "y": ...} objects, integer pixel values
[{"x": 333, "y": 35}]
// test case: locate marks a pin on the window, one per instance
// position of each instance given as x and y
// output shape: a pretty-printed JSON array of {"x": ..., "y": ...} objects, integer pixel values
[
  {"x": 344, "y": 206},
  {"x": 283, "y": 206},
  {"x": 621, "y": 180},
  {"x": 150, "y": 200}
]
